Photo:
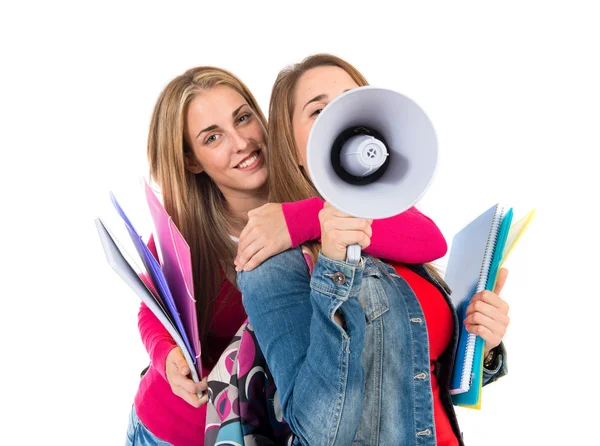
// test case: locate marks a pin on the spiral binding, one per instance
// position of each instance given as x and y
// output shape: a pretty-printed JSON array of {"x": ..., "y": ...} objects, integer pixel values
[{"x": 465, "y": 379}]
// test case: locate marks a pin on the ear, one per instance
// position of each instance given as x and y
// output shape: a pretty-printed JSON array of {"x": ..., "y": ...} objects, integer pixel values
[{"x": 191, "y": 163}]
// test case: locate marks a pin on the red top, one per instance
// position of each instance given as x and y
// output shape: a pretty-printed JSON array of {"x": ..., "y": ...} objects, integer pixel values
[
  {"x": 410, "y": 237},
  {"x": 440, "y": 326}
]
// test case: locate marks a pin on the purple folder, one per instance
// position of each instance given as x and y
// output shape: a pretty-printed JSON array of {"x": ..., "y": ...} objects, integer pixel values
[
  {"x": 158, "y": 278},
  {"x": 177, "y": 266},
  {"x": 119, "y": 260}
]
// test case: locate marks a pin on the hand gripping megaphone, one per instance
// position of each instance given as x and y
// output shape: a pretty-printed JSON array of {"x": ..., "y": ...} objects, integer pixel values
[{"x": 372, "y": 153}]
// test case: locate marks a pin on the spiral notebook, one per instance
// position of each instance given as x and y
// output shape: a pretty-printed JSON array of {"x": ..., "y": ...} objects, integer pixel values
[
  {"x": 508, "y": 237},
  {"x": 469, "y": 272}
]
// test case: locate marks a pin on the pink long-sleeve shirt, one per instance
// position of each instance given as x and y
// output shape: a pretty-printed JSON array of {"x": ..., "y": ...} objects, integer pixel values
[{"x": 410, "y": 237}]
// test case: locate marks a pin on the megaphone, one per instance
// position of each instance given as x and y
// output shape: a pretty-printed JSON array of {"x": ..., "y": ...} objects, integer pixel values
[{"x": 372, "y": 153}]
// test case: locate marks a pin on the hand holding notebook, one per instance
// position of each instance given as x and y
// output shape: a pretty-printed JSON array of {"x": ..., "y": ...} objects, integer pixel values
[
  {"x": 487, "y": 314},
  {"x": 476, "y": 254},
  {"x": 165, "y": 287}
]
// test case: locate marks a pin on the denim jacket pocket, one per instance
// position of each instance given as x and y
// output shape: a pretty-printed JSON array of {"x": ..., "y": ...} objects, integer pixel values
[{"x": 372, "y": 296}]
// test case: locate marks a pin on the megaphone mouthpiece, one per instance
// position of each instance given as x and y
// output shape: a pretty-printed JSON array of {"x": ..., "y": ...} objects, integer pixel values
[
  {"x": 362, "y": 155},
  {"x": 359, "y": 155}
]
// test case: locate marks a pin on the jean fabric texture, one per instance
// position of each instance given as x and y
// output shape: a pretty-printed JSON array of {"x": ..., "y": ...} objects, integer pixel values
[
  {"x": 139, "y": 435},
  {"x": 365, "y": 382}
]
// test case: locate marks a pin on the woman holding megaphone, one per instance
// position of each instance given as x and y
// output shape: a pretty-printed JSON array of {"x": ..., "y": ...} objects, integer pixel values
[
  {"x": 207, "y": 152},
  {"x": 360, "y": 353}
]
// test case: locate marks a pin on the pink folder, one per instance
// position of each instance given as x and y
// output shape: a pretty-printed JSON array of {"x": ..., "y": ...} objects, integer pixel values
[{"x": 177, "y": 267}]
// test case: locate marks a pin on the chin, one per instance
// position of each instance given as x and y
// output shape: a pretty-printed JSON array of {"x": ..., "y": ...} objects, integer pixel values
[{"x": 258, "y": 180}]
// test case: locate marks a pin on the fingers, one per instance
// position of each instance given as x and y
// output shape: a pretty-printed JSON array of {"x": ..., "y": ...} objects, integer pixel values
[
  {"x": 189, "y": 392},
  {"x": 193, "y": 387},
  {"x": 487, "y": 317},
  {"x": 181, "y": 385},
  {"x": 495, "y": 327},
  {"x": 486, "y": 309},
  {"x": 336, "y": 247},
  {"x": 245, "y": 238},
  {"x": 258, "y": 258},
  {"x": 247, "y": 253},
  {"x": 245, "y": 235},
  {"x": 347, "y": 238},
  {"x": 348, "y": 224},
  {"x": 266, "y": 227},
  {"x": 491, "y": 340},
  {"x": 500, "y": 280},
  {"x": 340, "y": 230},
  {"x": 492, "y": 299}
]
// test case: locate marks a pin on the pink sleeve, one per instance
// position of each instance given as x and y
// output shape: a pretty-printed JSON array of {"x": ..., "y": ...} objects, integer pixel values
[
  {"x": 302, "y": 219},
  {"x": 155, "y": 337},
  {"x": 409, "y": 237}
]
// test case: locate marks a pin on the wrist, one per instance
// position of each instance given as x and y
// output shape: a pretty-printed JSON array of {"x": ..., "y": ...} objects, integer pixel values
[{"x": 302, "y": 220}]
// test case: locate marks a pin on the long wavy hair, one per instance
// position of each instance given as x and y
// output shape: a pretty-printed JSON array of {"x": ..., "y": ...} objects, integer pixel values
[
  {"x": 194, "y": 202},
  {"x": 288, "y": 181}
]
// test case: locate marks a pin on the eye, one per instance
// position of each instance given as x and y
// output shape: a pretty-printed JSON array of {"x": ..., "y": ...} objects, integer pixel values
[
  {"x": 245, "y": 117},
  {"x": 316, "y": 112},
  {"x": 211, "y": 139}
]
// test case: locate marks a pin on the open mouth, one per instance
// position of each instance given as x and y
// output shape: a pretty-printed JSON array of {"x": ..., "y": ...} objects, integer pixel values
[{"x": 250, "y": 161}]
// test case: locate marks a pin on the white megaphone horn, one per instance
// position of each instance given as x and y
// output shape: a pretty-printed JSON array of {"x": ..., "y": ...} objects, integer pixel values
[{"x": 372, "y": 153}]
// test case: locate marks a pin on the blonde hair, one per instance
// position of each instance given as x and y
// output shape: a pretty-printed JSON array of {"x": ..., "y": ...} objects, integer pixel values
[
  {"x": 288, "y": 181},
  {"x": 194, "y": 202}
]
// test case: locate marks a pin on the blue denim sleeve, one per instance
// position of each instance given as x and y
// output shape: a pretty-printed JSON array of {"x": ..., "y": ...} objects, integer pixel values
[
  {"x": 314, "y": 361},
  {"x": 501, "y": 369}
]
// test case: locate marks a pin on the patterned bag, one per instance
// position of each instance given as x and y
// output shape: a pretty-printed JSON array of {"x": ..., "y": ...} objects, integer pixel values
[{"x": 243, "y": 406}]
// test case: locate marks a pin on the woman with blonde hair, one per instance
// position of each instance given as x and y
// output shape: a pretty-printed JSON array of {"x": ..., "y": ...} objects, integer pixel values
[
  {"x": 360, "y": 354},
  {"x": 207, "y": 152}
]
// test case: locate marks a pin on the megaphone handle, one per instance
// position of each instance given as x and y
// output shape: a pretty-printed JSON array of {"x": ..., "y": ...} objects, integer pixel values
[{"x": 353, "y": 254}]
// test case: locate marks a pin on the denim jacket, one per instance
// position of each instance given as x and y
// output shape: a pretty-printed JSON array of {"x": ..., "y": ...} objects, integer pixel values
[{"x": 366, "y": 382}]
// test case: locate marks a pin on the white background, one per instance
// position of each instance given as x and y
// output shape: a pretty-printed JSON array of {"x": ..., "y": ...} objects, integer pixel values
[{"x": 512, "y": 89}]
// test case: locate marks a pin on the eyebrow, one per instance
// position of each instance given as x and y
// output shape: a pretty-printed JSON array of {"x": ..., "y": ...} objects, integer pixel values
[
  {"x": 214, "y": 126},
  {"x": 320, "y": 98},
  {"x": 315, "y": 99}
]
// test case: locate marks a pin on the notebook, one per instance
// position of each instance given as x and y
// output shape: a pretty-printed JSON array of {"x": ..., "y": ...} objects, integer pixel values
[
  {"x": 509, "y": 237},
  {"x": 476, "y": 255},
  {"x": 118, "y": 261},
  {"x": 176, "y": 261}
]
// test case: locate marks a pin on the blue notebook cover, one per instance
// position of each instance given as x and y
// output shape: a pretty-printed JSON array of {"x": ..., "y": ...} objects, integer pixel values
[
  {"x": 467, "y": 273},
  {"x": 471, "y": 396}
]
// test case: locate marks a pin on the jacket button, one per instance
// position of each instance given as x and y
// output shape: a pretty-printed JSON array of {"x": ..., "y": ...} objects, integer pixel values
[{"x": 339, "y": 278}]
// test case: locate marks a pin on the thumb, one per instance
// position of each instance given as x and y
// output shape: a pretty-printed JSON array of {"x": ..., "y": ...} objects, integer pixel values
[
  {"x": 182, "y": 366},
  {"x": 500, "y": 280}
]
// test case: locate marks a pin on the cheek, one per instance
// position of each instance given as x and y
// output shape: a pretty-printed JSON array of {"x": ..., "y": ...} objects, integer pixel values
[
  {"x": 257, "y": 133},
  {"x": 301, "y": 132},
  {"x": 302, "y": 146},
  {"x": 216, "y": 163}
]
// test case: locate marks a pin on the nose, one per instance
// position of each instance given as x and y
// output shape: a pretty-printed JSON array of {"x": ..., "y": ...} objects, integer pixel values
[{"x": 240, "y": 141}]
